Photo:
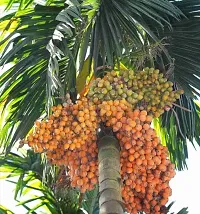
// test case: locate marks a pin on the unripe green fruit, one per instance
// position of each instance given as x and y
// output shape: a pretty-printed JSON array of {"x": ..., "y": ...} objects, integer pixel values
[
  {"x": 158, "y": 87},
  {"x": 155, "y": 77},
  {"x": 171, "y": 94},
  {"x": 100, "y": 96},
  {"x": 129, "y": 92},
  {"x": 120, "y": 91},
  {"x": 131, "y": 73},
  {"x": 107, "y": 97},
  {"x": 125, "y": 73},
  {"x": 118, "y": 87},
  {"x": 164, "y": 97},
  {"x": 126, "y": 79},
  {"x": 177, "y": 96},
  {"x": 162, "y": 104},
  {"x": 96, "y": 90},
  {"x": 124, "y": 95},
  {"x": 130, "y": 100},
  {"x": 104, "y": 91},
  {"x": 152, "y": 96},
  {"x": 145, "y": 77},
  {"x": 162, "y": 89},
  {"x": 100, "y": 84},
  {"x": 109, "y": 87},
  {"x": 134, "y": 101},
  {"x": 147, "y": 88},
  {"x": 113, "y": 73},
  {"x": 153, "y": 92},
  {"x": 166, "y": 93},
  {"x": 91, "y": 93},
  {"x": 140, "y": 85},
  {"x": 129, "y": 83},
  {"x": 151, "y": 70},
  {"x": 138, "y": 78},
  {"x": 106, "y": 83},
  {"x": 112, "y": 92},
  {"x": 165, "y": 80},
  {"x": 95, "y": 95},
  {"x": 135, "y": 88},
  {"x": 148, "y": 108},
  {"x": 156, "y": 71},
  {"x": 140, "y": 97},
  {"x": 153, "y": 103},
  {"x": 135, "y": 95},
  {"x": 166, "y": 85},
  {"x": 180, "y": 91},
  {"x": 147, "y": 99},
  {"x": 161, "y": 80},
  {"x": 134, "y": 83},
  {"x": 110, "y": 79}
]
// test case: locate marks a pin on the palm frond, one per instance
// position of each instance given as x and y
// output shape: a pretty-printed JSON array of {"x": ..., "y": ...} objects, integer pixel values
[
  {"x": 180, "y": 125},
  {"x": 182, "y": 211},
  {"x": 119, "y": 28},
  {"x": 64, "y": 45},
  {"x": 18, "y": 5},
  {"x": 53, "y": 193},
  {"x": 177, "y": 127},
  {"x": 5, "y": 210},
  {"x": 90, "y": 201},
  {"x": 14, "y": 164},
  {"x": 23, "y": 86}
]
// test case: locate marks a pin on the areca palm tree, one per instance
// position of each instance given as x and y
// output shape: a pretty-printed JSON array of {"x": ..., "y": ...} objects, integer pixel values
[{"x": 55, "y": 48}]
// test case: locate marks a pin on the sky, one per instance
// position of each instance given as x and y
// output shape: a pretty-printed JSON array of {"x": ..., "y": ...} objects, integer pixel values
[{"x": 185, "y": 187}]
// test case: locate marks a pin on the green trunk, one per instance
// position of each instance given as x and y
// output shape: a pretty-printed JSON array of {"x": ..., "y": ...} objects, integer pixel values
[{"x": 110, "y": 200}]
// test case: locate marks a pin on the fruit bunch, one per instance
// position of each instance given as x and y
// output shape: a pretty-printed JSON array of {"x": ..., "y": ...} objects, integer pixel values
[
  {"x": 68, "y": 138},
  {"x": 147, "y": 89},
  {"x": 126, "y": 102},
  {"x": 145, "y": 167},
  {"x": 83, "y": 165},
  {"x": 67, "y": 128}
]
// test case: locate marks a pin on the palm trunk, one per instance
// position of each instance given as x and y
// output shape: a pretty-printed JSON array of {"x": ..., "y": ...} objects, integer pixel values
[{"x": 110, "y": 200}]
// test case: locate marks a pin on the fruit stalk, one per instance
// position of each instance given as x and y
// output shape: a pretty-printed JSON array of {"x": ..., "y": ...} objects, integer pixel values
[{"x": 110, "y": 200}]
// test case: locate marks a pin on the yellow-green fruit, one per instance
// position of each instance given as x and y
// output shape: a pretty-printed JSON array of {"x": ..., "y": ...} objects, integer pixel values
[
  {"x": 148, "y": 89},
  {"x": 104, "y": 91}
]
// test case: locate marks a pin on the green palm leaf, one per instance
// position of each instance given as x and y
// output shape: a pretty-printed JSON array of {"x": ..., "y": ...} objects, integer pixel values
[
  {"x": 4, "y": 210},
  {"x": 24, "y": 4},
  {"x": 51, "y": 193},
  {"x": 180, "y": 125},
  {"x": 90, "y": 201},
  {"x": 23, "y": 86}
]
